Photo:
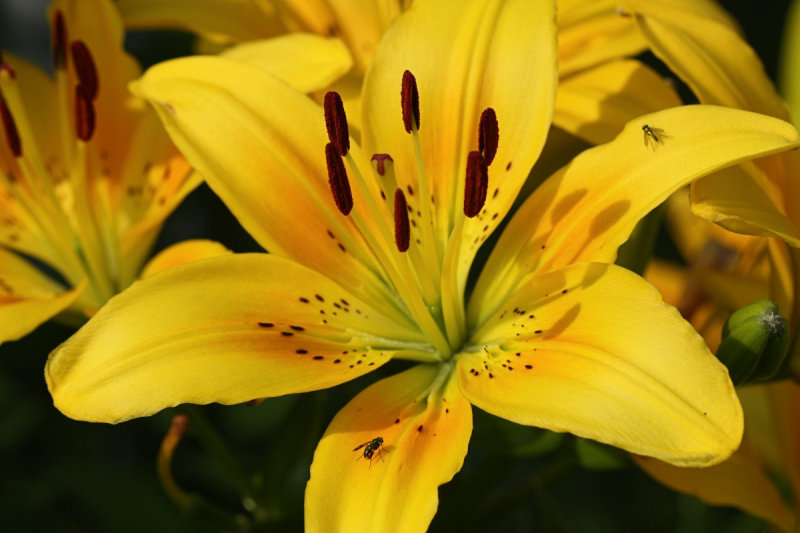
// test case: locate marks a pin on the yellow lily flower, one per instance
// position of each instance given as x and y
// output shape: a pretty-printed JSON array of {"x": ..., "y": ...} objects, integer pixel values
[
  {"x": 87, "y": 175},
  {"x": 371, "y": 250}
]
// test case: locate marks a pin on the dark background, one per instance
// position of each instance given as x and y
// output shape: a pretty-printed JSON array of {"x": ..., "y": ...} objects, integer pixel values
[{"x": 64, "y": 476}]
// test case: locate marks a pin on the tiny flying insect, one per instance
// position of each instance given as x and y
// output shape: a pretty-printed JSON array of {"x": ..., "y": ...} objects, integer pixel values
[
  {"x": 653, "y": 136},
  {"x": 370, "y": 447}
]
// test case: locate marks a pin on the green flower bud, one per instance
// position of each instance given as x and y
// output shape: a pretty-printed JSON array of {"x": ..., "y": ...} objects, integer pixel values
[{"x": 755, "y": 342}]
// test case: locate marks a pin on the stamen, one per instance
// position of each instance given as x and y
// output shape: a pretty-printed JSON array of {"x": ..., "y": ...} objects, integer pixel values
[
  {"x": 409, "y": 98},
  {"x": 337, "y": 179},
  {"x": 402, "y": 230},
  {"x": 12, "y": 134},
  {"x": 379, "y": 162},
  {"x": 5, "y": 67},
  {"x": 477, "y": 184},
  {"x": 488, "y": 135},
  {"x": 84, "y": 114},
  {"x": 84, "y": 66},
  {"x": 59, "y": 44},
  {"x": 336, "y": 122}
]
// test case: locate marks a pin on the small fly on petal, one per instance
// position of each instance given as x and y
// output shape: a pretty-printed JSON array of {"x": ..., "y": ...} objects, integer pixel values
[
  {"x": 370, "y": 447},
  {"x": 653, "y": 136}
]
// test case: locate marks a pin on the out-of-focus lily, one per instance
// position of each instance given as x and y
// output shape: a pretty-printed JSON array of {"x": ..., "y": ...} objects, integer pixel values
[
  {"x": 371, "y": 249},
  {"x": 87, "y": 175},
  {"x": 729, "y": 271},
  {"x": 703, "y": 46},
  {"x": 758, "y": 474},
  {"x": 274, "y": 33}
]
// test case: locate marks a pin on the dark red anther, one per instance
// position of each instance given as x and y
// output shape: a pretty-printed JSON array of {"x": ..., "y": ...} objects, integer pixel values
[
  {"x": 337, "y": 179},
  {"x": 5, "y": 67},
  {"x": 380, "y": 162},
  {"x": 476, "y": 185},
  {"x": 488, "y": 135},
  {"x": 84, "y": 114},
  {"x": 409, "y": 98},
  {"x": 84, "y": 67},
  {"x": 336, "y": 122},
  {"x": 402, "y": 229},
  {"x": 59, "y": 44},
  {"x": 12, "y": 135}
]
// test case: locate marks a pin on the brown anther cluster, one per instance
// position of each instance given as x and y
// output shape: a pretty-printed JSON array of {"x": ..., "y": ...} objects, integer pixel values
[{"x": 477, "y": 182}]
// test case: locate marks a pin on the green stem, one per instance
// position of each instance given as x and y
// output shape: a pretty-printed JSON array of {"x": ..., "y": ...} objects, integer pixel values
[{"x": 214, "y": 443}]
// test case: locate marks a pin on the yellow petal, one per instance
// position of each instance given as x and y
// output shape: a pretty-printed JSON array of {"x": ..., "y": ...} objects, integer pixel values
[
  {"x": 474, "y": 55},
  {"x": 361, "y": 24},
  {"x": 585, "y": 211},
  {"x": 591, "y": 32},
  {"x": 740, "y": 481},
  {"x": 593, "y": 350},
  {"x": 597, "y": 103},
  {"x": 305, "y": 61},
  {"x": 737, "y": 199},
  {"x": 789, "y": 75},
  {"x": 156, "y": 180},
  {"x": 425, "y": 429},
  {"x": 699, "y": 42},
  {"x": 38, "y": 93},
  {"x": 28, "y": 298},
  {"x": 260, "y": 145},
  {"x": 221, "y": 21},
  {"x": 752, "y": 477},
  {"x": 227, "y": 330},
  {"x": 704, "y": 48},
  {"x": 183, "y": 252}
]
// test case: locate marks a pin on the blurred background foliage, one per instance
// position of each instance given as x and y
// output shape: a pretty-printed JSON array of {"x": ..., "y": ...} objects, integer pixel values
[{"x": 64, "y": 476}]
